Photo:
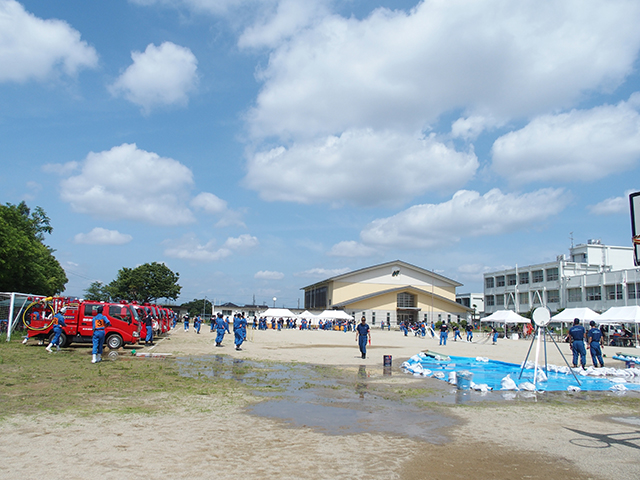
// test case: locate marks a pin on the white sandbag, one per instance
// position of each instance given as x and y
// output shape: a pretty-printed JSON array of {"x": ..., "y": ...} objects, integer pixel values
[
  {"x": 507, "y": 383},
  {"x": 482, "y": 359},
  {"x": 481, "y": 387},
  {"x": 527, "y": 387},
  {"x": 617, "y": 380},
  {"x": 573, "y": 388},
  {"x": 452, "y": 378},
  {"x": 439, "y": 375},
  {"x": 618, "y": 388}
]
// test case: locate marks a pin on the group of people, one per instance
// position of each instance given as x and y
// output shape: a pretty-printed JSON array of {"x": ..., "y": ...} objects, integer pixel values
[
  {"x": 221, "y": 326},
  {"x": 576, "y": 337}
]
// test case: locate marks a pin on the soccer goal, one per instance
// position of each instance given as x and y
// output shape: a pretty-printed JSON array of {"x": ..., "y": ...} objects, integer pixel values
[{"x": 12, "y": 307}]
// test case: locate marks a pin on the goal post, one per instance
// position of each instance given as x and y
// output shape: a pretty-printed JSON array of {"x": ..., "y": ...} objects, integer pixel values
[{"x": 634, "y": 201}]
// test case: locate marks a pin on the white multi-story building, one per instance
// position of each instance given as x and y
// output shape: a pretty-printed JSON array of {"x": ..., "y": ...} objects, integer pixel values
[{"x": 594, "y": 275}]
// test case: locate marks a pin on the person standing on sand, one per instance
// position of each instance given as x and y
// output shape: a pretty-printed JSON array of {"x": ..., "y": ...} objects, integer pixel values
[
  {"x": 444, "y": 333},
  {"x": 576, "y": 336},
  {"x": 239, "y": 329},
  {"x": 494, "y": 335},
  {"x": 469, "y": 332},
  {"x": 594, "y": 335},
  {"x": 186, "y": 322},
  {"x": 221, "y": 327},
  {"x": 363, "y": 334},
  {"x": 196, "y": 324}
]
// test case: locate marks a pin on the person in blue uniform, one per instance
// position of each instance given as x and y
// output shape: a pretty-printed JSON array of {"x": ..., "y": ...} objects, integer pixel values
[
  {"x": 576, "y": 337},
  {"x": 196, "y": 323},
  {"x": 186, "y": 322},
  {"x": 494, "y": 335},
  {"x": 594, "y": 335},
  {"x": 221, "y": 327},
  {"x": 58, "y": 323},
  {"x": 239, "y": 330},
  {"x": 469, "y": 332},
  {"x": 444, "y": 333},
  {"x": 100, "y": 322},
  {"x": 148, "y": 325},
  {"x": 456, "y": 333},
  {"x": 363, "y": 333}
]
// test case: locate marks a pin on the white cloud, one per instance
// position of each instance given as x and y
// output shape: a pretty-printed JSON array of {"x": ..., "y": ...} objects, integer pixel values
[
  {"x": 61, "y": 169},
  {"x": 322, "y": 272},
  {"x": 466, "y": 214},
  {"x": 362, "y": 167},
  {"x": 102, "y": 236},
  {"x": 214, "y": 205},
  {"x": 286, "y": 19},
  {"x": 469, "y": 128},
  {"x": 189, "y": 248},
  {"x": 402, "y": 70},
  {"x": 579, "y": 145},
  {"x": 163, "y": 75},
  {"x": 32, "y": 48},
  {"x": 613, "y": 205},
  {"x": 128, "y": 183},
  {"x": 268, "y": 275},
  {"x": 351, "y": 249}
]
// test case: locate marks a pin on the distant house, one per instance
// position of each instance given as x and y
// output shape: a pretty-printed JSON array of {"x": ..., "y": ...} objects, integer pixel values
[{"x": 391, "y": 292}]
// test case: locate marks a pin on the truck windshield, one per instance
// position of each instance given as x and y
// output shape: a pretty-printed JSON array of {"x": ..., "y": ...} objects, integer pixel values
[{"x": 135, "y": 313}]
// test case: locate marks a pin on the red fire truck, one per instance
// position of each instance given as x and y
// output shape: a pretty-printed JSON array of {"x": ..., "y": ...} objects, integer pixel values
[{"x": 124, "y": 328}]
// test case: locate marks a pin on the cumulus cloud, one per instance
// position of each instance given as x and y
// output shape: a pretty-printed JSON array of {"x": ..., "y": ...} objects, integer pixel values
[
  {"x": 190, "y": 248},
  {"x": 322, "y": 273},
  {"x": 163, "y": 75},
  {"x": 268, "y": 275},
  {"x": 351, "y": 249},
  {"x": 402, "y": 70},
  {"x": 470, "y": 127},
  {"x": 613, "y": 205},
  {"x": 214, "y": 205},
  {"x": 361, "y": 167},
  {"x": 578, "y": 145},
  {"x": 129, "y": 183},
  {"x": 33, "y": 48},
  {"x": 102, "y": 236},
  {"x": 467, "y": 214}
]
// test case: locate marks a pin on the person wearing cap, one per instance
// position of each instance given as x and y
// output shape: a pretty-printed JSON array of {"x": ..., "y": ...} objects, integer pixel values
[
  {"x": 363, "y": 334},
  {"x": 58, "y": 323},
  {"x": 100, "y": 323},
  {"x": 148, "y": 325},
  {"x": 594, "y": 335},
  {"x": 186, "y": 321},
  {"x": 576, "y": 337},
  {"x": 444, "y": 333}
]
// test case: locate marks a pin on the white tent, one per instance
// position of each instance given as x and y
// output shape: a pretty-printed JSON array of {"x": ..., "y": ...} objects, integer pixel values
[
  {"x": 621, "y": 315},
  {"x": 505, "y": 316},
  {"x": 335, "y": 315},
  {"x": 278, "y": 313},
  {"x": 583, "y": 313},
  {"x": 308, "y": 315}
]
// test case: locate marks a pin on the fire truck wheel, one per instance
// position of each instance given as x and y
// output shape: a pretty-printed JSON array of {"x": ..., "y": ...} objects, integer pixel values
[
  {"x": 114, "y": 341},
  {"x": 64, "y": 341}
]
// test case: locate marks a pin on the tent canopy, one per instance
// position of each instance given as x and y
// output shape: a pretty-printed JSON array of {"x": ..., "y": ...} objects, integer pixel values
[
  {"x": 621, "y": 315},
  {"x": 278, "y": 313},
  {"x": 335, "y": 315},
  {"x": 583, "y": 313},
  {"x": 308, "y": 315},
  {"x": 505, "y": 316}
]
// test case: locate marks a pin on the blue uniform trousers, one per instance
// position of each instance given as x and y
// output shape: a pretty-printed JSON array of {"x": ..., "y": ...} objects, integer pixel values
[
  {"x": 98, "y": 341},
  {"x": 596, "y": 354},
  {"x": 578, "y": 349}
]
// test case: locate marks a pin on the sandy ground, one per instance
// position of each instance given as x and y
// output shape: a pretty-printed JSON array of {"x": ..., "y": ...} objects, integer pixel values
[{"x": 559, "y": 440}]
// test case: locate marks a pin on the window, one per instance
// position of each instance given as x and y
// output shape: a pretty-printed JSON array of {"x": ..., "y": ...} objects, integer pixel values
[
  {"x": 406, "y": 300},
  {"x": 614, "y": 292},
  {"x": 488, "y": 282},
  {"x": 315, "y": 298},
  {"x": 523, "y": 297},
  {"x": 373, "y": 318},
  {"x": 633, "y": 290},
  {"x": 426, "y": 319},
  {"x": 574, "y": 295},
  {"x": 524, "y": 277},
  {"x": 537, "y": 276},
  {"x": 593, "y": 294},
  {"x": 552, "y": 274},
  {"x": 500, "y": 300},
  {"x": 511, "y": 279},
  {"x": 489, "y": 300},
  {"x": 500, "y": 281},
  {"x": 553, "y": 296}
]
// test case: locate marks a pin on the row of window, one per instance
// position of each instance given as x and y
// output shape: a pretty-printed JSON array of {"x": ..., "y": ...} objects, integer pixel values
[
  {"x": 574, "y": 295},
  {"x": 523, "y": 278},
  {"x": 553, "y": 296}
]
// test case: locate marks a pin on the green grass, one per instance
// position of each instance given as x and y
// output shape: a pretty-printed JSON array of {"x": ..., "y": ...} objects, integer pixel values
[{"x": 34, "y": 381}]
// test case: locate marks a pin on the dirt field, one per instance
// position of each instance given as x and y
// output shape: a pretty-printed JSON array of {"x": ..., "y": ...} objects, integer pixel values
[{"x": 595, "y": 437}]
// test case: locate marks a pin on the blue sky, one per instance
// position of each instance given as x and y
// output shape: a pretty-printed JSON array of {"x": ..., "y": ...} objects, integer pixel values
[{"x": 256, "y": 147}]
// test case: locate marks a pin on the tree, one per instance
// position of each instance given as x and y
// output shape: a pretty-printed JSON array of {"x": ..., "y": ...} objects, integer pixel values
[
  {"x": 198, "y": 307},
  {"x": 145, "y": 283},
  {"x": 26, "y": 263},
  {"x": 97, "y": 291}
]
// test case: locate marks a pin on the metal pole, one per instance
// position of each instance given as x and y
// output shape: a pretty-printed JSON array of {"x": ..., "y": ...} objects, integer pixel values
[{"x": 10, "y": 319}]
